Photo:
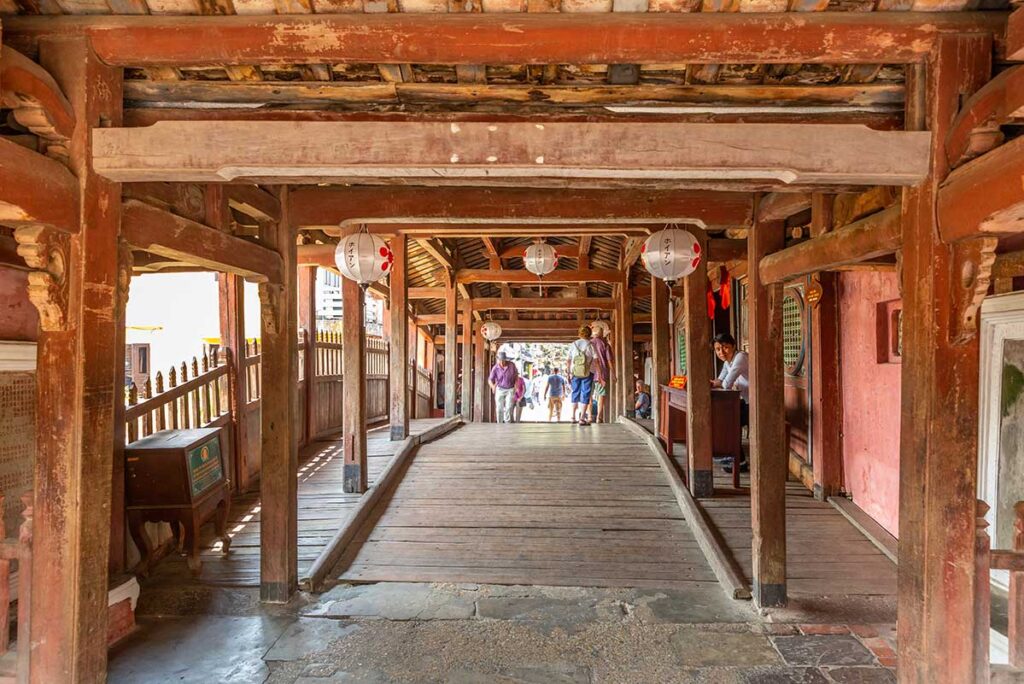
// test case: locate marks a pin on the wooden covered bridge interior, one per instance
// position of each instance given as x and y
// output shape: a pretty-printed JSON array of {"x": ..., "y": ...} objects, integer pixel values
[{"x": 852, "y": 168}]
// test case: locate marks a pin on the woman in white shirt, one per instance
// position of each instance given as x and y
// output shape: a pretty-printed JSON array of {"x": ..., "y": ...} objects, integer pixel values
[{"x": 735, "y": 375}]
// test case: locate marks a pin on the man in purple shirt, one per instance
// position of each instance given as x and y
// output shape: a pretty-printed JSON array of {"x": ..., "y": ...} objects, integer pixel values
[{"x": 503, "y": 383}]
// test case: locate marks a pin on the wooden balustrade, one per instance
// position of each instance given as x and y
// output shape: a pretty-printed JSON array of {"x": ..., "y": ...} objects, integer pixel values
[
  {"x": 15, "y": 585},
  {"x": 986, "y": 560}
]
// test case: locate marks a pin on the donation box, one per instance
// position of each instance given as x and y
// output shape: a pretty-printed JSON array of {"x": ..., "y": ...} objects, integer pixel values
[{"x": 178, "y": 477}]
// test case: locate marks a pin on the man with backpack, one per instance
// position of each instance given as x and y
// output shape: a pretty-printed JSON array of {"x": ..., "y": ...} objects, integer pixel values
[{"x": 581, "y": 358}]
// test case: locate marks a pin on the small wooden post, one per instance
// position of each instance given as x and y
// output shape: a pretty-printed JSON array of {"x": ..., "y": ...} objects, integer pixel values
[
  {"x": 769, "y": 461},
  {"x": 983, "y": 603},
  {"x": 353, "y": 353},
  {"x": 467, "y": 359},
  {"x": 699, "y": 371},
  {"x": 826, "y": 394},
  {"x": 1015, "y": 631},
  {"x": 231, "y": 297},
  {"x": 307, "y": 321},
  {"x": 480, "y": 390},
  {"x": 279, "y": 455},
  {"x": 661, "y": 353},
  {"x": 625, "y": 327},
  {"x": 451, "y": 345},
  {"x": 399, "y": 359}
]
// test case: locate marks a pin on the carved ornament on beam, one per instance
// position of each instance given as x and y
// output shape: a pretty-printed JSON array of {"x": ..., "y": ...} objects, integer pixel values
[
  {"x": 971, "y": 276},
  {"x": 47, "y": 253}
]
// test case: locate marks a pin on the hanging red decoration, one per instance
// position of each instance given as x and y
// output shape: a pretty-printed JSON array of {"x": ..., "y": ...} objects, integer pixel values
[
  {"x": 711, "y": 302},
  {"x": 724, "y": 287}
]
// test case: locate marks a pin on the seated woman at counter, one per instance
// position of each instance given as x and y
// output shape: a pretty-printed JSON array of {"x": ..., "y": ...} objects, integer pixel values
[{"x": 735, "y": 375}]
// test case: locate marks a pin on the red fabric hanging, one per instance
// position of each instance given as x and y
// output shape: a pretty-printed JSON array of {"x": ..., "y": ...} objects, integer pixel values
[
  {"x": 724, "y": 287},
  {"x": 711, "y": 302}
]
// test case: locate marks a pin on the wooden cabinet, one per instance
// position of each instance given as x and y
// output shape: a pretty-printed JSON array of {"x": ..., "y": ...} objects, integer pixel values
[
  {"x": 726, "y": 439},
  {"x": 178, "y": 477}
]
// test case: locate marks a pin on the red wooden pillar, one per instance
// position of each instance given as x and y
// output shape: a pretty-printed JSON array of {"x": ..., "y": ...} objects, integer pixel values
[
  {"x": 279, "y": 448},
  {"x": 231, "y": 297},
  {"x": 307, "y": 322},
  {"x": 625, "y": 328},
  {"x": 451, "y": 346},
  {"x": 118, "y": 540},
  {"x": 467, "y": 359},
  {"x": 480, "y": 390},
  {"x": 826, "y": 393},
  {"x": 78, "y": 382},
  {"x": 661, "y": 353},
  {"x": 939, "y": 402},
  {"x": 699, "y": 371},
  {"x": 353, "y": 388},
  {"x": 769, "y": 464},
  {"x": 399, "y": 358}
]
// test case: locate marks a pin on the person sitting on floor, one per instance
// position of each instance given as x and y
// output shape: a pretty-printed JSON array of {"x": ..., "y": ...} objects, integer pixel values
[
  {"x": 642, "y": 397},
  {"x": 735, "y": 375}
]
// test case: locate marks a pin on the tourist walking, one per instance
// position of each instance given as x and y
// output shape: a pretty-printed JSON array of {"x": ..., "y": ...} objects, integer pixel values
[
  {"x": 519, "y": 400},
  {"x": 602, "y": 369},
  {"x": 503, "y": 383},
  {"x": 554, "y": 392},
  {"x": 581, "y": 358}
]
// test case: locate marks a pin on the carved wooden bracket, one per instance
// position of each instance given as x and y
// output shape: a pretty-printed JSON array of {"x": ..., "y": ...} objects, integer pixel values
[
  {"x": 971, "y": 276},
  {"x": 125, "y": 263},
  {"x": 36, "y": 101},
  {"x": 47, "y": 252},
  {"x": 271, "y": 309}
]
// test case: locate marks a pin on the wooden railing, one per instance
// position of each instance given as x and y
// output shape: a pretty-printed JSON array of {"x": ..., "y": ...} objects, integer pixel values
[
  {"x": 15, "y": 585},
  {"x": 376, "y": 379},
  {"x": 186, "y": 402},
  {"x": 1011, "y": 560}
]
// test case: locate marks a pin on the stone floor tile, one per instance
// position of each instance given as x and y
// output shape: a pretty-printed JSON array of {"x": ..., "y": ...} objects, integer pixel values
[
  {"x": 698, "y": 649},
  {"x": 862, "y": 675},
  {"x": 307, "y": 635},
  {"x": 819, "y": 650},
  {"x": 824, "y": 629},
  {"x": 394, "y": 601},
  {"x": 789, "y": 675}
]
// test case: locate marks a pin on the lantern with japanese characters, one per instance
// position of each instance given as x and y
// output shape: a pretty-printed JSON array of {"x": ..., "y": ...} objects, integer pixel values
[
  {"x": 490, "y": 330},
  {"x": 540, "y": 258},
  {"x": 363, "y": 257},
  {"x": 671, "y": 254}
]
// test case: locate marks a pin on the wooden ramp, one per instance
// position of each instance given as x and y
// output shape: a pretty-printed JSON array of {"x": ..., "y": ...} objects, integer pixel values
[
  {"x": 531, "y": 503},
  {"x": 323, "y": 507}
]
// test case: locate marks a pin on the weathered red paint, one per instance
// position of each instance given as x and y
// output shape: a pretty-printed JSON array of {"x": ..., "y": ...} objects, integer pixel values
[{"x": 18, "y": 318}]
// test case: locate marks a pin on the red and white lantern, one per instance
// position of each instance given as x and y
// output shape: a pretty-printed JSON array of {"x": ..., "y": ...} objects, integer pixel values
[
  {"x": 490, "y": 330},
  {"x": 671, "y": 254},
  {"x": 364, "y": 258},
  {"x": 540, "y": 258}
]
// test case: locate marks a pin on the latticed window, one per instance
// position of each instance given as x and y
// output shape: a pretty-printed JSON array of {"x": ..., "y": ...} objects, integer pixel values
[
  {"x": 793, "y": 332},
  {"x": 681, "y": 349}
]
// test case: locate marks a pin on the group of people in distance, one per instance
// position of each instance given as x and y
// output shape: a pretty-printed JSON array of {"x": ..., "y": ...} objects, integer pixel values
[{"x": 587, "y": 371}]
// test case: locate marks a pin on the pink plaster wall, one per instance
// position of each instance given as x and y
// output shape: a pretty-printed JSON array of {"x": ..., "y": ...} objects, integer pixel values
[
  {"x": 871, "y": 399},
  {"x": 18, "y": 318}
]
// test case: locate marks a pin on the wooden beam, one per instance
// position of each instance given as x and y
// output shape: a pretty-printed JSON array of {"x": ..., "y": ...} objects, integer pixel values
[
  {"x": 937, "y": 585},
  {"x": 700, "y": 97},
  {"x": 769, "y": 460},
  {"x": 535, "y": 325},
  {"x": 480, "y": 275},
  {"x": 1015, "y": 36},
  {"x": 398, "y": 385},
  {"x": 253, "y": 201},
  {"x": 426, "y": 292},
  {"x": 36, "y": 190},
  {"x": 1009, "y": 265},
  {"x": 211, "y": 151},
  {"x": 24, "y": 85},
  {"x": 984, "y": 197},
  {"x": 543, "y": 303},
  {"x": 778, "y": 206},
  {"x": 700, "y": 369},
  {"x": 328, "y": 207},
  {"x": 868, "y": 238},
  {"x": 451, "y": 367},
  {"x": 723, "y": 249},
  {"x": 161, "y": 232},
  {"x": 353, "y": 353},
  {"x": 976, "y": 129},
  {"x": 279, "y": 570},
  {"x": 484, "y": 38}
]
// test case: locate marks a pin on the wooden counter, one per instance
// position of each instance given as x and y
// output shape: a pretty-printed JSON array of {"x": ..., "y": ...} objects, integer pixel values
[{"x": 726, "y": 439}]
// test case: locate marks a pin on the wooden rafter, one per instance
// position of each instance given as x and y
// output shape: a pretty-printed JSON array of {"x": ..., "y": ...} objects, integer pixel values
[
  {"x": 36, "y": 189},
  {"x": 871, "y": 237},
  {"x": 984, "y": 197},
  {"x": 278, "y": 152},
  {"x": 469, "y": 275},
  {"x": 543, "y": 303},
  {"x": 492, "y": 39},
  {"x": 328, "y": 207},
  {"x": 254, "y": 201},
  {"x": 1015, "y": 36},
  {"x": 162, "y": 233},
  {"x": 778, "y": 206}
]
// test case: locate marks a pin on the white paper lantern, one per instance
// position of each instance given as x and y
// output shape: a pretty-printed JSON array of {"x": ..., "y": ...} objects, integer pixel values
[
  {"x": 363, "y": 257},
  {"x": 671, "y": 254},
  {"x": 540, "y": 258},
  {"x": 490, "y": 330},
  {"x": 602, "y": 326}
]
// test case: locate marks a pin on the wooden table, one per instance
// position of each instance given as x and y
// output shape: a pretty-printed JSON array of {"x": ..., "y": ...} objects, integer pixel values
[{"x": 726, "y": 439}]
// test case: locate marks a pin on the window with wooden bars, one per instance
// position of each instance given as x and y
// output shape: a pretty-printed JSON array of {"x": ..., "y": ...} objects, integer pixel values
[{"x": 793, "y": 331}]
